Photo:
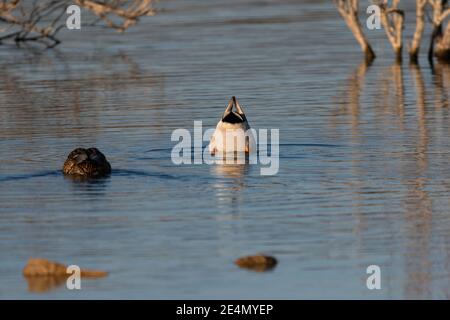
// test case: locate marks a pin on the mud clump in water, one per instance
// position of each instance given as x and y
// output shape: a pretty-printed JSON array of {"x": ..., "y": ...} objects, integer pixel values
[
  {"x": 43, "y": 275},
  {"x": 257, "y": 262}
]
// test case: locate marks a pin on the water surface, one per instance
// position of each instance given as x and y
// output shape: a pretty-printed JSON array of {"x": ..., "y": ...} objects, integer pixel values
[{"x": 364, "y": 163}]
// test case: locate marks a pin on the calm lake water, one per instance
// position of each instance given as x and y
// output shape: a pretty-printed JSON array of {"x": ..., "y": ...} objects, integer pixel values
[{"x": 364, "y": 158}]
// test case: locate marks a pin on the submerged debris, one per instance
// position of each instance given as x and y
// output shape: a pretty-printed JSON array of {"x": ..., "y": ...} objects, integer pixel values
[
  {"x": 44, "y": 267},
  {"x": 257, "y": 262},
  {"x": 43, "y": 275}
]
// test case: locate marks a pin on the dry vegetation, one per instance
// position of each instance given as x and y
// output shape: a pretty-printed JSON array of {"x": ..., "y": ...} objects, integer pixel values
[
  {"x": 41, "y": 20},
  {"x": 392, "y": 20}
]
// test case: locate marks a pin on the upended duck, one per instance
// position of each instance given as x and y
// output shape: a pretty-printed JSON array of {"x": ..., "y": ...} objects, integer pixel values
[
  {"x": 233, "y": 124},
  {"x": 87, "y": 163}
]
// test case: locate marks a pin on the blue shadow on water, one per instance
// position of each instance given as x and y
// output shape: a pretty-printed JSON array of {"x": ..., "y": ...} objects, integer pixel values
[{"x": 31, "y": 175}]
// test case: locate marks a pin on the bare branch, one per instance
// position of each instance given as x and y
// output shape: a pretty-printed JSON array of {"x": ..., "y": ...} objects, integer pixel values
[
  {"x": 41, "y": 20},
  {"x": 348, "y": 9},
  {"x": 440, "y": 38},
  {"x": 414, "y": 47},
  {"x": 392, "y": 20}
]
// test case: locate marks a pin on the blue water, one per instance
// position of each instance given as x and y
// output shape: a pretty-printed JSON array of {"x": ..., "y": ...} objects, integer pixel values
[{"x": 364, "y": 156}]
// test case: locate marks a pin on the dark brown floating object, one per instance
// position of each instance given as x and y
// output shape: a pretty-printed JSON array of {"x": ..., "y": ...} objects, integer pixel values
[
  {"x": 43, "y": 275},
  {"x": 90, "y": 163},
  {"x": 257, "y": 263}
]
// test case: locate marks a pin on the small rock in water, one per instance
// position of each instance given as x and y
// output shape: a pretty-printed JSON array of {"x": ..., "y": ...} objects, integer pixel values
[
  {"x": 43, "y": 275},
  {"x": 86, "y": 163},
  {"x": 44, "y": 267},
  {"x": 257, "y": 262}
]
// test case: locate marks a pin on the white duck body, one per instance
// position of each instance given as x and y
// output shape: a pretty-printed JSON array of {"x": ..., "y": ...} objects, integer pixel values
[{"x": 233, "y": 125}]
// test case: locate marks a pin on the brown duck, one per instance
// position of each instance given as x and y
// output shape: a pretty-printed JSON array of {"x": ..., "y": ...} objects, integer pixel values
[{"x": 87, "y": 163}]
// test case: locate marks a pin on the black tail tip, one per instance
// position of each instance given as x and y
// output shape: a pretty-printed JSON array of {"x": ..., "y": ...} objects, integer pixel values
[{"x": 234, "y": 99}]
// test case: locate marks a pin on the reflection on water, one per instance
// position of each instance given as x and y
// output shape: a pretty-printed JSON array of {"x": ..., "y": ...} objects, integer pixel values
[
  {"x": 42, "y": 284},
  {"x": 230, "y": 180},
  {"x": 93, "y": 187},
  {"x": 363, "y": 175},
  {"x": 417, "y": 202},
  {"x": 234, "y": 171}
]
